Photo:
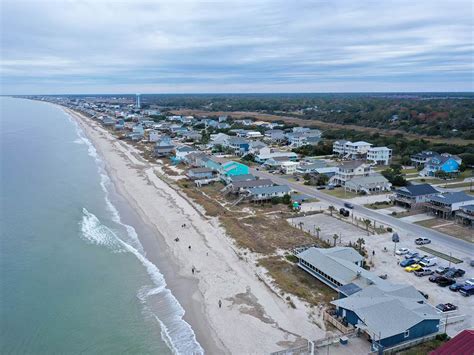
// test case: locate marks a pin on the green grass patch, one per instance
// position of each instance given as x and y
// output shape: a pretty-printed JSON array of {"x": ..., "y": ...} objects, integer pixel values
[
  {"x": 340, "y": 193},
  {"x": 378, "y": 205},
  {"x": 441, "y": 255}
]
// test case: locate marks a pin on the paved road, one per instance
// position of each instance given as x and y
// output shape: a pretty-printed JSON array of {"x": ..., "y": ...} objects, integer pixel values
[{"x": 455, "y": 245}]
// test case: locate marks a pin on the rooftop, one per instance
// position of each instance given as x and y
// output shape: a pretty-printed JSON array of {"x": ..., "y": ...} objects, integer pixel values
[
  {"x": 417, "y": 190},
  {"x": 269, "y": 190},
  {"x": 452, "y": 197}
]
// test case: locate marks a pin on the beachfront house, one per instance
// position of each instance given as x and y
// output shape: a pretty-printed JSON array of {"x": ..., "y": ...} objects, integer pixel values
[
  {"x": 233, "y": 168},
  {"x": 153, "y": 136},
  {"x": 240, "y": 146},
  {"x": 366, "y": 301},
  {"x": 269, "y": 153},
  {"x": 289, "y": 167},
  {"x": 261, "y": 194},
  {"x": 182, "y": 151},
  {"x": 200, "y": 173},
  {"x": 351, "y": 150}
]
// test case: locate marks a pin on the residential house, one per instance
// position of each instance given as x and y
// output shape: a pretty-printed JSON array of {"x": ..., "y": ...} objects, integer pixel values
[
  {"x": 445, "y": 205},
  {"x": 191, "y": 136},
  {"x": 223, "y": 125},
  {"x": 232, "y": 168},
  {"x": 200, "y": 173},
  {"x": 461, "y": 344},
  {"x": 119, "y": 125},
  {"x": 275, "y": 163},
  {"x": 275, "y": 135},
  {"x": 239, "y": 145},
  {"x": 196, "y": 159},
  {"x": 310, "y": 167},
  {"x": 245, "y": 177},
  {"x": 222, "y": 118},
  {"x": 269, "y": 192},
  {"x": 357, "y": 150},
  {"x": 420, "y": 159},
  {"x": 108, "y": 121},
  {"x": 269, "y": 153},
  {"x": 289, "y": 167},
  {"x": 465, "y": 215},
  {"x": 349, "y": 170},
  {"x": 368, "y": 184},
  {"x": 413, "y": 196},
  {"x": 239, "y": 187},
  {"x": 440, "y": 163},
  {"x": 366, "y": 301},
  {"x": 379, "y": 155},
  {"x": 253, "y": 134},
  {"x": 218, "y": 139},
  {"x": 300, "y": 138},
  {"x": 256, "y": 146},
  {"x": 183, "y": 151},
  {"x": 153, "y": 136},
  {"x": 339, "y": 147},
  {"x": 164, "y": 147}
]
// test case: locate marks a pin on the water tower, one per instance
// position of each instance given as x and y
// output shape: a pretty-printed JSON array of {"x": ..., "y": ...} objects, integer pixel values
[{"x": 138, "y": 105}]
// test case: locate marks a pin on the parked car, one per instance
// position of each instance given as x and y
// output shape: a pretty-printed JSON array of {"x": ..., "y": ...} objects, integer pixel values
[
  {"x": 444, "y": 281},
  {"x": 428, "y": 261},
  {"x": 457, "y": 286},
  {"x": 348, "y": 205},
  {"x": 434, "y": 278},
  {"x": 413, "y": 267},
  {"x": 408, "y": 262},
  {"x": 467, "y": 290},
  {"x": 446, "y": 307},
  {"x": 424, "y": 272},
  {"x": 442, "y": 270},
  {"x": 320, "y": 187},
  {"x": 421, "y": 241},
  {"x": 470, "y": 282},
  {"x": 453, "y": 272},
  {"x": 402, "y": 251},
  {"x": 412, "y": 254},
  {"x": 344, "y": 212},
  {"x": 330, "y": 187}
]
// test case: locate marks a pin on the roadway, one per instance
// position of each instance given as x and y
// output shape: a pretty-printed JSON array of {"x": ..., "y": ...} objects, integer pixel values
[{"x": 454, "y": 244}]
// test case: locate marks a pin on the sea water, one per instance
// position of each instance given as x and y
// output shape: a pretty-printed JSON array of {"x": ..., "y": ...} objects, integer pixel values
[{"x": 73, "y": 276}]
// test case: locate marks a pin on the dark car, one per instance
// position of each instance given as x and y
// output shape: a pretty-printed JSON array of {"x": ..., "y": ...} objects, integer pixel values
[
  {"x": 442, "y": 270},
  {"x": 457, "y": 286},
  {"x": 453, "y": 273},
  {"x": 344, "y": 212},
  {"x": 444, "y": 281},
  {"x": 348, "y": 205},
  {"x": 459, "y": 273},
  {"x": 424, "y": 272},
  {"x": 421, "y": 241},
  {"x": 467, "y": 290},
  {"x": 446, "y": 307},
  {"x": 408, "y": 262},
  {"x": 434, "y": 278}
]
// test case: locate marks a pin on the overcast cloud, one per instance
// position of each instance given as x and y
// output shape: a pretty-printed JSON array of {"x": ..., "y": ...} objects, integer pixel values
[{"x": 100, "y": 46}]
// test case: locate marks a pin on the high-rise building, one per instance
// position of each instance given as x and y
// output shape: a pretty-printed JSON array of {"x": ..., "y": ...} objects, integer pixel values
[{"x": 138, "y": 105}]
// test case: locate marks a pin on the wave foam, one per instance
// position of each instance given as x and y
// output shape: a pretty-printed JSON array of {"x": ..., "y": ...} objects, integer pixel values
[{"x": 175, "y": 332}]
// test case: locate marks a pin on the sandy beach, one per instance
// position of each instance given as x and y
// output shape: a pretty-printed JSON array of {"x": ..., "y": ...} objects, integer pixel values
[{"x": 253, "y": 319}]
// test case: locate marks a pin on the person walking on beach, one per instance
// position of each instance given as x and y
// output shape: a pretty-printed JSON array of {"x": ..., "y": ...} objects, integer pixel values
[
  {"x": 189, "y": 247},
  {"x": 192, "y": 270},
  {"x": 220, "y": 304}
]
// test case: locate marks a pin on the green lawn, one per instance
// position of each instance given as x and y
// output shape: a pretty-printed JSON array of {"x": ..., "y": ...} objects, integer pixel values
[
  {"x": 378, "y": 206},
  {"x": 409, "y": 171},
  {"x": 339, "y": 192},
  {"x": 459, "y": 184}
]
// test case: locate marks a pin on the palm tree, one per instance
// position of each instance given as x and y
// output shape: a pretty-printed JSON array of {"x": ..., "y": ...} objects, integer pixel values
[
  {"x": 317, "y": 229},
  {"x": 360, "y": 242},
  {"x": 367, "y": 223},
  {"x": 335, "y": 237},
  {"x": 331, "y": 209}
]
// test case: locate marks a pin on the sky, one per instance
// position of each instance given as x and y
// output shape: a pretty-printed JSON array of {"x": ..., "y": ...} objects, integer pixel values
[{"x": 185, "y": 46}]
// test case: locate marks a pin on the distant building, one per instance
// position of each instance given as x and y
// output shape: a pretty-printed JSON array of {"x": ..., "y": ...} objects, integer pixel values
[
  {"x": 442, "y": 163},
  {"x": 349, "y": 170},
  {"x": 137, "y": 103}
]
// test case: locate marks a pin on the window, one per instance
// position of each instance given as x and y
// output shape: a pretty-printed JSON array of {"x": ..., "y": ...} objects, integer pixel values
[{"x": 407, "y": 334}]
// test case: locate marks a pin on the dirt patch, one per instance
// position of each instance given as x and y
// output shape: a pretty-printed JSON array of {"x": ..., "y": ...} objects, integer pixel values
[
  {"x": 449, "y": 227},
  {"x": 248, "y": 304}
]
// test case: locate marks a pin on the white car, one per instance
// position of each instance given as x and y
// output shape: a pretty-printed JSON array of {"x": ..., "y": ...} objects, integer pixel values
[
  {"x": 402, "y": 251},
  {"x": 428, "y": 261}
]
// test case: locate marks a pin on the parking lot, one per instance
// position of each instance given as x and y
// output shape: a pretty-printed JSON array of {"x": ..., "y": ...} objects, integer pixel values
[{"x": 385, "y": 261}]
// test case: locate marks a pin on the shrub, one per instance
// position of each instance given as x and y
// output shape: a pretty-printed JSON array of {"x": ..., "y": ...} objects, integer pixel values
[{"x": 389, "y": 229}]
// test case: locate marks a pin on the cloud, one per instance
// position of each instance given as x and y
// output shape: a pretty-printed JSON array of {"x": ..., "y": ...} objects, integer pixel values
[{"x": 88, "y": 46}]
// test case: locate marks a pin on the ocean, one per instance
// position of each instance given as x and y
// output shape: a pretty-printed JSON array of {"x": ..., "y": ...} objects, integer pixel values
[{"x": 73, "y": 274}]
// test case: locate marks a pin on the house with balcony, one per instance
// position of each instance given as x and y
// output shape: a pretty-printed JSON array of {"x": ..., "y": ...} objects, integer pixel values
[
  {"x": 239, "y": 145},
  {"x": 447, "y": 164},
  {"x": 379, "y": 155},
  {"x": 368, "y": 184},
  {"x": 339, "y": 147},
  {"x": 446, "y": 204},
  {"x": 349, "y": 170},
  {"x": 413, "y": 196},
  {"x": 260, "y": 194},
  {"x": 269, "y": 153},
  {"x": 465, "y": 215},
  {"x": 420, "y": 159}
]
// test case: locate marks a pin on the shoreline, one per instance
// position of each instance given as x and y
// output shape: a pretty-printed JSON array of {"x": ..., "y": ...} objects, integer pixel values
[{"x": 252, "y": 319}]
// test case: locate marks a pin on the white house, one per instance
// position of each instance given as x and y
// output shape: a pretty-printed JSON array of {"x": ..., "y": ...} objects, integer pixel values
[
  {"x": 183, "y": 151},
  {"x": 352, "y": 150},
  {"x": 350, "y": 170},
  {"x": 289, "y": 167},
  {"x": 268, "y": 153},
  {"x": 379, "y": 155},
  {"x": 339, "y": 147},
  {"x": 153, "y": 136}
]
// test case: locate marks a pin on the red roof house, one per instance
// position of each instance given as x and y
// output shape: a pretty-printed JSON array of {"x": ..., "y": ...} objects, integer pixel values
[{"x": 461, "y": 344}]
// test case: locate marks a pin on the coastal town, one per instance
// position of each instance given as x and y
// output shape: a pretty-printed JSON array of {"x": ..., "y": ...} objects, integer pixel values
[{"x": 378, "y": 252}]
